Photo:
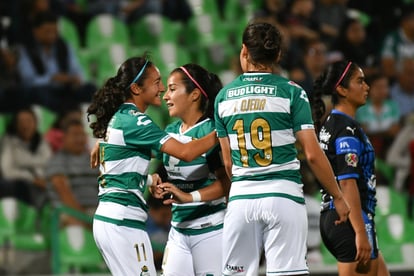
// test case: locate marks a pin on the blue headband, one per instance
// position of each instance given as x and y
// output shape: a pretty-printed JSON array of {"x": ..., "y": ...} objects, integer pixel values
[{"x": 140, "y": 73}]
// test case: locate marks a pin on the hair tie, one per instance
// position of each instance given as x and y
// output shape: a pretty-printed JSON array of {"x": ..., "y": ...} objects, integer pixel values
[
  {"x": 194, "y": 81},
  {"x": 343, "y": 74},
  {"x": 140, "y": 72}
]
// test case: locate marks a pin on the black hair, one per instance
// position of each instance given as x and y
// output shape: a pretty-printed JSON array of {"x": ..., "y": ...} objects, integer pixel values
[
  {"x": 12, "y": 128},
  {"x": 115, "y": 91},
  {"x": 70, "y": 123},
  {"x": 264, "y": 43},
  {"x": 334, "y": 75},
  {"x": 209, "y": 82},
  {"x": 44, "y": 17},
  {"x": 62, "y": 50}
]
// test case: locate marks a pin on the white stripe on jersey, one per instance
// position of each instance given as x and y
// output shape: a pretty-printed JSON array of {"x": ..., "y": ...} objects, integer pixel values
[
  {"x": 120, "y": 212},
  {"x": 279, "y": 138},
  {"x": 189, "y": 173},
  {"x": 245, "y": 171},
  {"x": 134, "y": 164},
  {"x": 248, "y": 187},
  {"x": 200, "y": 223},
  {"x": 115, "y": 136},
  {"x": 273, "y": 104},
  {"x": 137, "y": 192}
]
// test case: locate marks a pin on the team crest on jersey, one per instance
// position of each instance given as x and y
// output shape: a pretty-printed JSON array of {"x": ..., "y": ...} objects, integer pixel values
[
  {"x": 324, "y": 136},
  {"x": 351, "y": 159},
  {"x": 144, "y": 271}
]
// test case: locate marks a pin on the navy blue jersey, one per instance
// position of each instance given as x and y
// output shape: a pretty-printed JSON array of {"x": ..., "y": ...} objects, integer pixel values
[{"x": 351, "y": 156}]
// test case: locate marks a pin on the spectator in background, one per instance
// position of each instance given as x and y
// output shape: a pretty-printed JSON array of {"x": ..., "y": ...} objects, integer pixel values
[
  {"x": 352, "y": 43},
  {"x": 331, "y": 14},
  {"x": 399, "y": 44},
  {"x": 49, "y": 68},
  {"x": 21, "y": 20},
  {"x": 380, "y": 116},
  {"x": 402, "y": 91},
  {"x": 133, "y": 10},
  {"x": 71, "y": 181},
  {"x": 398, "y": 155},
  {"x": 11, "y": 96},
  {"x": 313, "y": 64},
  {"x": 24, "y": 155},
  {"x": 271, "y": 9},
  {"x": 177, "y": 10},
  {"x": 55, "y": 134},
  {"x": 300, "y": 22}
]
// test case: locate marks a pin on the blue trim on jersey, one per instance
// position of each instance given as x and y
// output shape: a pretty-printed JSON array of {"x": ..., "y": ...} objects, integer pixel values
[
  {"x": 348, "y": 176},
  {"x": 347, "y": 144}
]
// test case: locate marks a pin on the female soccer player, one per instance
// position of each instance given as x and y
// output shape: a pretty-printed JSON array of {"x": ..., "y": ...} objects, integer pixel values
[
  {"x": 128, "y": 138},
  {"x": 259, "y": 117},
  {"x": 198, "y": 187},
  {"x": 354, "y": 243}
]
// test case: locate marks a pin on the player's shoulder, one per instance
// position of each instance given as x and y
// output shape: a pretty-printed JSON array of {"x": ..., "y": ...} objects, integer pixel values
[
  {"x": 174, "y": 126},
  {"x": 129, "y": 115}
]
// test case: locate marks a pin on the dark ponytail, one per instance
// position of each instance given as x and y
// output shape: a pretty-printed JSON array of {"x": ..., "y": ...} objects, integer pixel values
[{"x": 336, "y": 74}]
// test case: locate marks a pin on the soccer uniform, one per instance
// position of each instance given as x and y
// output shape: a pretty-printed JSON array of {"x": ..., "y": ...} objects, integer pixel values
[
  {"x": 119, "y": 221},
  {"x": 260, "y": 114},
  {"x": 352, "y": 157},
  {"x": 197, "y": 226}
]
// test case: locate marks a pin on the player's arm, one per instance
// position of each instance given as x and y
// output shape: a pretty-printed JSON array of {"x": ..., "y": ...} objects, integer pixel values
[
  {"x": 320, "y": 166},
  {"x": 351, "y": 194},
  {"x": 226, "y": 155},
  {"x": 191, "y": 150},
  {"x": 215, "y": 190}
]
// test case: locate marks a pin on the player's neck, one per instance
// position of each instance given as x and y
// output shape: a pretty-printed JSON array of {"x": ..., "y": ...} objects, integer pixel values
[{"x": 190, "y": 121}]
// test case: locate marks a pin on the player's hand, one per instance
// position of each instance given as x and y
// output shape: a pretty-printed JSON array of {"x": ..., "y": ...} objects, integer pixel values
[
  {"x": 342, "y": 208},
  {"x": 363, "y": 248},
  {"x": 154, "y": 188},
  {"x": 94, "y": 155},
  {"x": 177, "y": 195}
]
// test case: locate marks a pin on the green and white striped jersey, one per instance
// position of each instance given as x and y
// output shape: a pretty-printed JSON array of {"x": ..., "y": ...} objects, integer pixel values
[
  {"x": 196, "y": 217},
  {"x": 260, "y": 114},
  {"x": 125, "y": 154}
]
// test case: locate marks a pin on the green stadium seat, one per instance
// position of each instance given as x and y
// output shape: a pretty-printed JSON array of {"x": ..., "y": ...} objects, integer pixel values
[
  {"x": 73, "y": 247},
  {"x": 69, "y": 32},
  {"x": 45, "y": 117},
  {"x": 152, "y": 29},
  {"x": 104, "y": 30},
  {"x": 107, "y": 61},
  {"x": 8, "y": 216},
  {"x": 78, "y": 251}
]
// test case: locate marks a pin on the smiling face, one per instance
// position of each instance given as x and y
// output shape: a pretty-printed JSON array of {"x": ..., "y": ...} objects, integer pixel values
[
  {"x": 177, "y": 99},
  {"x": 150, "y": 92}
]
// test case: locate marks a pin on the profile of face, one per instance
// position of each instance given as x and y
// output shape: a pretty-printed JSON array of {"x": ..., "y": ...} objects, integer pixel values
[
  {"x": 152, "y": 87},
  {"x": 26, "y": 125},
  {"x": 357, "y": 91},
  {"x": 177, "y": 99}
]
